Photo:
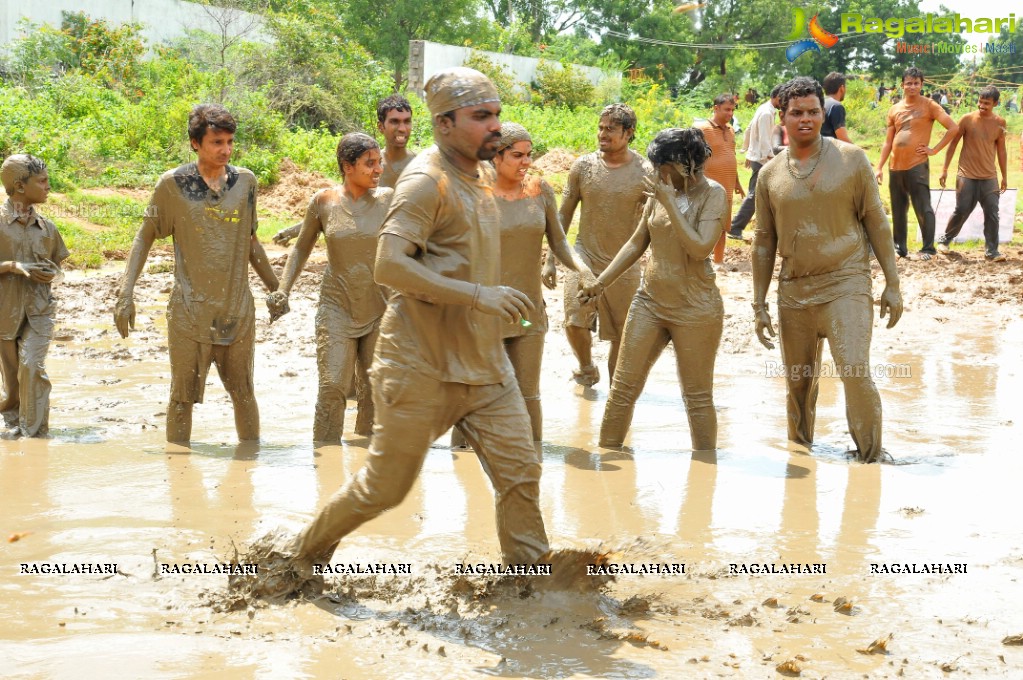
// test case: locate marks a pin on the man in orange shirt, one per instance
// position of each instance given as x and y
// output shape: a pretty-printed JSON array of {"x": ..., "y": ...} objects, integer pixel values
[
  {"x": 908, "y": 143},
  {"x": 983, "y": 135},
  {"x": 721, "y": 166}
]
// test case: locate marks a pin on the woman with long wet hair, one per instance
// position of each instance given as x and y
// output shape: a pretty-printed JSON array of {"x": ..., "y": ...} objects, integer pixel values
[
  {"x": 678, "y": 300},
  {"x": 351, "y": 303}
]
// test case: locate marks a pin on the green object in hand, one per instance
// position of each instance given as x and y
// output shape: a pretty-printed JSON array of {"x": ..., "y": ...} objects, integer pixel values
[{"x": 525, "y": 323}]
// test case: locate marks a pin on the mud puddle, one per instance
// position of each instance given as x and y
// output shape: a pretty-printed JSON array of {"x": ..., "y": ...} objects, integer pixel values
[{"x": 106, "y": 489}]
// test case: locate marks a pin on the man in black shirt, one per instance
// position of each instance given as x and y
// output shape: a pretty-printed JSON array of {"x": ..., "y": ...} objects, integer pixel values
[{"x": 834, "y": 112}]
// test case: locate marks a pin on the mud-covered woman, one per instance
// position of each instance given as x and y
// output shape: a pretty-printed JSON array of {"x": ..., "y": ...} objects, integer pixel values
[
  {"x": 678, "y": 300},
  {"x": 351, "y": 303},
  {"x": 528, "y": 212}
]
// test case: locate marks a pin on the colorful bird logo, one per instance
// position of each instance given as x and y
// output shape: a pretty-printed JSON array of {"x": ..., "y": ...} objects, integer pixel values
[{"x": 818, "y": 36}]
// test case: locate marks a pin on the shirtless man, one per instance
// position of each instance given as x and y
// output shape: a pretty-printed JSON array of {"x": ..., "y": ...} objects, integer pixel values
[
  {"x": 908, "y": 140},
  {"x": 209, "y": 208},
  {"x": 609, "y": 184},
  {"x": 394, "y": 121},
  {"x": 819, "y": 208},
  {"x": 440, "y": 359}
]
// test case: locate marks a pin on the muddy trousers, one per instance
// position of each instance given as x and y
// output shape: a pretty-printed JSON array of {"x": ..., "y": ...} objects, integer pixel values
[
  {"x": 970, "y": 192},
  {"x": 412, "y": 410},
  {"x": 340, "y": 362},
  {"x": 25, "y": 399},
  {"x": 847, "y": 324},
  {"x": 644, "y": 339},
  {"x": 912, "y": 186}
]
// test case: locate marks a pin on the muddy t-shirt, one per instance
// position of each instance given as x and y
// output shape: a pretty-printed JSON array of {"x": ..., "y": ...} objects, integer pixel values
[
  {"x": 612, "y": 203},
  {"x": 211, "y": 302},
  {"x": 677, "y": 287},
  {"x": 721, "y": 166},
  {"x": 821, "y": 224},
  {"x": 913, "y": 126},
  {"x": 21, "y": 298},
  {"x": 980, "y": 136},
  {"x": 391, "y": 171},
  {"x": 351, "y": 230},
  {"x": 523, "y": 225},
  {"x": 452, "y": 219}
]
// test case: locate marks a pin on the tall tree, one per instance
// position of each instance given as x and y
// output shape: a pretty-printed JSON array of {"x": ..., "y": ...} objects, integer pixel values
[{"x": 385, "y": 28}]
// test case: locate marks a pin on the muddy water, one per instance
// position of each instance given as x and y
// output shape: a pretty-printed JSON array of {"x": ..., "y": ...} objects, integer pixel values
[{"x": 107, "y": 489}]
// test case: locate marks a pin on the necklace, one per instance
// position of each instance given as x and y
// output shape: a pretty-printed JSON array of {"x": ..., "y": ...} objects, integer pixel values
[{"x": 819, "y": 155}]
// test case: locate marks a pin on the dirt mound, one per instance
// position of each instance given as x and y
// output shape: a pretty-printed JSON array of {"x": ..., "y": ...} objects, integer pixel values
[
  {"x": 291, "y": 194},
  {"x": 554, "y": 161}
]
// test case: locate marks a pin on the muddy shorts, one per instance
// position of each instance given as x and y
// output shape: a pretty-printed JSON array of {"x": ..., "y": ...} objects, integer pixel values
[
  {"x": 612, "y": 308},
  {"x": 190, "y": 364}
]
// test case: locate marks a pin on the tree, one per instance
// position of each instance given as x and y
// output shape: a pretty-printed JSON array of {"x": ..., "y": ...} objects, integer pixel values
[{"x": 385, "y": 28}]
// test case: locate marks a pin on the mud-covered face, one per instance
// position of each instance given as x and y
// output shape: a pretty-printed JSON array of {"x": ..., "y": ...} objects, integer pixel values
[
  {"x": 514, "y": 162},
  {"x": 396, "y": 128},
  {"x": 985, "y": 106},
  {"x": 215, "y": 148},
  {"x": 35, "y": 189},
  {"x": 365, "y": 174},
  {"x": 475, "y": 132},
  {"x": 612, "y": 137},
  {"x": 803, "y": 119}
]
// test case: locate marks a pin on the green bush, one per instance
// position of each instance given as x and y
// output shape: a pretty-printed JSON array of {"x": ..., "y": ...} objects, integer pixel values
[{"x": 563, "y": 86}]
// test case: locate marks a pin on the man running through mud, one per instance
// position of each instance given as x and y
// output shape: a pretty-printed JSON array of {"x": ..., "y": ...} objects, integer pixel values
[
  {"x": 818, "y": 207},
  {"x": 609, "y": 184},
  {"x": 440, "y": 357},
  {"x": 209, "y": 208}
]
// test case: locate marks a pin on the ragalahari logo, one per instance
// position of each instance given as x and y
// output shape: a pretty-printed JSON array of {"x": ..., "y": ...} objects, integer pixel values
[{"x": 818, "y": 36}]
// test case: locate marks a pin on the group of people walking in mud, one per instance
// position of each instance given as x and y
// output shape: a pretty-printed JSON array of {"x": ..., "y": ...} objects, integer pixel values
[{"x": 431, "y": 307}]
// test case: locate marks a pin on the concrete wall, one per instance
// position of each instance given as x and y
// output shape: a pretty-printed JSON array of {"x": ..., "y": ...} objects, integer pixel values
[
  {"x": 162, "y": 20},
  {"x": 426, "y": 58}
]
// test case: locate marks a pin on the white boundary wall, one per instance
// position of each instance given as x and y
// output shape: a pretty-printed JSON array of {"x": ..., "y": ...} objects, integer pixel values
[
  {"x": 162, "y": 20},
  {"x": 426, "y": 58}
]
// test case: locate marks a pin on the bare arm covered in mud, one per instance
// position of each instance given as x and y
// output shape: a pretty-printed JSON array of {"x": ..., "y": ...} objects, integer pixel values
[
  {"x": 558, "y": 243},
  {"x": 569, "y": 202},
  {"x": 124, "y": 310},
  {"x": 284, "y": 236},
  {"x": 308, "y": 232},
  {"x": 951, "y": 132},
  {"x": 697, "y": 239},
  {"x": 886, "y": 150},
  {"x": 765, "y": 250},
  {"x": 261, "y": 264},
  {"x": 949, "y": 154},
  {"x": 879, "y": 234},
  {"x": 398, "y": 268},
  {"x": 626, "y": 257}
]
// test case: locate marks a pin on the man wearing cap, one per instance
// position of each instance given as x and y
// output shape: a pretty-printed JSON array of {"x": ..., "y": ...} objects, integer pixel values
[{"x": 440, "y": 360}]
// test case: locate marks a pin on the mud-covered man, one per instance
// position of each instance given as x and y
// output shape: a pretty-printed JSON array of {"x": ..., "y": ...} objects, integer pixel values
[
  {"x": 31, "y": 250},
  {"x": 208, "y": 207},
  {"x": 818, "y": 207},
  {"x": 440, "y": 358},
  {"x": 609, "y": 185}
]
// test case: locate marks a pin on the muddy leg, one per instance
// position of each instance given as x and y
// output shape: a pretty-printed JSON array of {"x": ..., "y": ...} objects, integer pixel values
[
  {"x": 497, "y": 428},
  {"x": 643, "y": 340},
  {"x": 581, "y": 342},
  {"x": 849, "y": 326},
  {"x": 235, "y": 365},
  {"x": 695, "y": 351},
  {"x": 33, "y": 382},
  {"x": 801, "y": 347},
  {"x": 364, "y": 393},
  {"x": 9, "y": 399},
  {"x": 179, "y": 422},
  {"x": 526, "y": 355}
]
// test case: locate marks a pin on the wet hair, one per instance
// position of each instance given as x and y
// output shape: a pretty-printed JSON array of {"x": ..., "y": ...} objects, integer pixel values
[
  {"x": 776, "y": 90},
  {"x": 801, "y": 86},
  {"x": 990, "y": 92},
  {"x": 393, "y": 103},
  {"x": 685, "y": 146},
  {"x": 206, "y": 116},
  {"x": 725, "y": 98},
  {"x": 621, "y": 114},
  {"x": 351, "y": 147},
  {"x": 913, "y": 72},
  {"x": 20, "y": 167},
  {"x": 833, "y": 82}
]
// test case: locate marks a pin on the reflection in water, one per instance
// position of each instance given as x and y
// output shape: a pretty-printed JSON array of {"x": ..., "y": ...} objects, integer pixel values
[{"x": 695, "y": 524}]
